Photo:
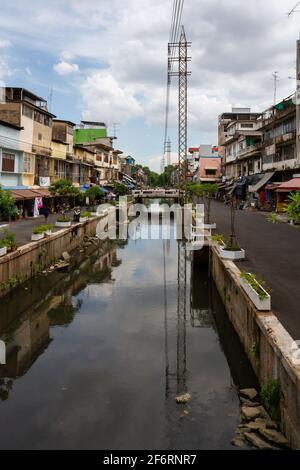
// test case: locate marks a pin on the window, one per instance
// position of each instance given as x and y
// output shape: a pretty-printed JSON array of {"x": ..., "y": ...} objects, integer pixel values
[
  {"x": 28, "y": 163},
  {"x": 40, "y": 137},
  {"x": 8, "y": 162},
  {"x": 28, "y": 112},
  {"x": 209, "y": 171},
  {"x": 47, "y": 121},
  {"x": 38, "y": 117},
  {"x": 247, "y": 126}
]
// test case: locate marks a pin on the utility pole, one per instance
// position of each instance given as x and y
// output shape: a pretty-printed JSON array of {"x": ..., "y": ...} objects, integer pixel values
[{"x": 182, "y": 74}]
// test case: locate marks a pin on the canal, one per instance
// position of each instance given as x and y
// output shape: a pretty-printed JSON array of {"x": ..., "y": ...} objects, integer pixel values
[{"x": 96, "y": 356}]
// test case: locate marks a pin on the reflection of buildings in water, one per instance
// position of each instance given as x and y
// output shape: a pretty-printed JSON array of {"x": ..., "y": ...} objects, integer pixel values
[
  {"x": 24, "y": 343},
  {"x": 28, "y": 335},
  {"x": 201, "y": 302}
]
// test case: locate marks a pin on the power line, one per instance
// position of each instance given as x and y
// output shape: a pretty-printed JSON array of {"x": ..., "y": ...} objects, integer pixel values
[{"x": 174, "y": 32}]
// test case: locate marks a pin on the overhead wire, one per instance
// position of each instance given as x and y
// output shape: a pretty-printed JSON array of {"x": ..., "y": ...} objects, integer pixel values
[{"x": 173, "y": 37}]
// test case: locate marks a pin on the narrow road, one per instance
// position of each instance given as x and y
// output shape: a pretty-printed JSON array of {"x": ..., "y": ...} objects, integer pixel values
[
  {"x": 273, "y": 253},
  {"x": 23, "y": 228}
]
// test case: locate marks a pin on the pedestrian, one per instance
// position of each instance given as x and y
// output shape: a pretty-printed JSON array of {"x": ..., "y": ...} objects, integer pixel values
[{"x": 46, "y": 212}]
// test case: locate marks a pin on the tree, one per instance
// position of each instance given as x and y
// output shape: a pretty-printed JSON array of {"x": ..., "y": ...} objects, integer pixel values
[
  {"x": 7, "y": 204},
  {"x": 94, "y": 193},
  {"x": 203, "y": 191},
  {"x": 165, "y": 178},
  {"x": 292, "y": 209},
  {"x": 120, "y": 189},
  {"x": 64, "y": 189}
]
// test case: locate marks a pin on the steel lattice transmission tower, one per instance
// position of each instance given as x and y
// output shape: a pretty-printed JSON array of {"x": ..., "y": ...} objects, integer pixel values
[
  {"x": 182, "y": 73},
  {"x": 168, "y": 152}
]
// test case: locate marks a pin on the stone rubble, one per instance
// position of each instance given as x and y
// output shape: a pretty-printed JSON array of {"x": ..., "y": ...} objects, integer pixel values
[{"x": 257, "y": 429}]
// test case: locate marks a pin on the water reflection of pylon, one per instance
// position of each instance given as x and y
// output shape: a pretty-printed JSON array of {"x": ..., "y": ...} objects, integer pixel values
[{"x": 180, "y": 374}]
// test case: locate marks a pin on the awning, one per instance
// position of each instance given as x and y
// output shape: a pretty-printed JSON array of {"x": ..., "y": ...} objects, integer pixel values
[
  {"x": 23, "y": 194},
  {"x": 42, "y": 192},
  {"x": 288, "y": 186},
  {"x": 261, "y": 182}
]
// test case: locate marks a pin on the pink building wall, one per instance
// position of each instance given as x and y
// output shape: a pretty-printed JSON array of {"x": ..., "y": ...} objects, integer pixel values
[{"x": 209, "y": 169}]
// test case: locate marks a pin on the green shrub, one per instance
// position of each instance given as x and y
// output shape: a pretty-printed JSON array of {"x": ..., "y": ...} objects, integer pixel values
[
  {"x": 292, "y": 209},
  {"x": 217, "y": 237},
  {"x": 38, "y": 230},
  {"x": 63, "y": 218},
  {"x": 7, "y": 204},
  {"x": 272, "y": 218},
  {"x": 9, "y": 239},
  {"x": 85, "y": 214},
  {"x": 255, "y": 284},
  {"x": 270, "y": 395}
]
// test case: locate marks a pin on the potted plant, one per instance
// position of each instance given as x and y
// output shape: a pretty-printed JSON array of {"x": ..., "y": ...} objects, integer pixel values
[
  {"x": 292, "y": 209},
  {"x": 9, "y": 240},
  {"x": 3, "y": 248},
  {"x": 84, "y": 216},
  {"x": 48, "y": 229},
  {"x": 63, "y": 221},
  {"x": 38, "y": 233},
  {"x": 255, "y": 291},
  {"x": 231, "y": 250},
  {"x": 218, "y": 239}
]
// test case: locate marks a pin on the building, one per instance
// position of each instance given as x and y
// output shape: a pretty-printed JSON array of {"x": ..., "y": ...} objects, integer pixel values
[
  {"x": 29, "y": 111},
  {"x": 64, "y": 164},
  {"x": 204, "y": 164},
  {"x": 89, "y": 131},
  {"x": 11, "y": 155},
  {"x": 238, "y": 131}
]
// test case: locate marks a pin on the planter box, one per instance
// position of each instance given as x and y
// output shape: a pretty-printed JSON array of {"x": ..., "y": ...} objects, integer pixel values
[
  {"x": 83, "y": 219},
  {"x": 260, "y": 304},
  {"x": 63, "y": 224},
  {"x": 37, "y": 236},
  {"x": 232, "y": 255},
  {"x": 3, "y": 251}
]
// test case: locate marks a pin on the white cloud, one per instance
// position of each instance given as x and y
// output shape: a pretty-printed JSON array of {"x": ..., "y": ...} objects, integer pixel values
[
  {"x": 65, "y": 68},
  {"x": 236, "y": 45},
  {"x": 103, "y": 98},
  {"x": 4, "y": 43}
]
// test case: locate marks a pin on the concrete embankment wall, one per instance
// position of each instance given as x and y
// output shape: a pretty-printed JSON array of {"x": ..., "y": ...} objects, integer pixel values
[
  {"x": 262, "y": 332},
  {"x": 32, "y": 258}
]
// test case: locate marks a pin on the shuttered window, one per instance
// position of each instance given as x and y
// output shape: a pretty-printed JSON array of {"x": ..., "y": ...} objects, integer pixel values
[{"x": 8, "y": 162}]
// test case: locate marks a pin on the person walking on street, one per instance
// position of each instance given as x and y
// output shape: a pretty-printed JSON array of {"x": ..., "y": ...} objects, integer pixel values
[{"x": 46, "y": 212}]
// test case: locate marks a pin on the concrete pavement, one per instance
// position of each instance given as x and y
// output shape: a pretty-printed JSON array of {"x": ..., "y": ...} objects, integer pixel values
[
  {"x": 273, "y": 254},
  {"x": 23, "y": 228}
]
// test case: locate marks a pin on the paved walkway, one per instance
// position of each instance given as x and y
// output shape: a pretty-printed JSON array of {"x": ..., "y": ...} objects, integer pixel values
[
  {"x": 23, "y": 228},
  {"x": 273, "y": 253}
]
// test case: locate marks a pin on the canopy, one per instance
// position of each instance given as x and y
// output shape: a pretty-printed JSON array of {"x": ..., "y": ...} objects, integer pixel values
[
  {"x": 266, "y": 177},
  {"x": 24, "y": 194},
  {"x": 288, "y": 186}
]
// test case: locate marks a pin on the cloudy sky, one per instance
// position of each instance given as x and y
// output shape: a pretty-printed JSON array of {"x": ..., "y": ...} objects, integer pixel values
[{"x": 106, "y": 60}]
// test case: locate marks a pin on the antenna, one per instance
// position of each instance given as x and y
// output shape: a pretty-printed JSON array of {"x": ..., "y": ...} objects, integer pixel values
[
  {"x": 115, "y": 129},
  {"x": 276, "y": 80},
  {"x": 50, "y": 98}
]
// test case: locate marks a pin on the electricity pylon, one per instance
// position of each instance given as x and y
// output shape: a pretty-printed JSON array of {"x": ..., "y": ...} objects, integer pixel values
[{"x": 182, "y": 58}]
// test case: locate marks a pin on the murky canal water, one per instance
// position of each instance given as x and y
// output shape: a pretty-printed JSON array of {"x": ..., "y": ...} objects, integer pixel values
[{"x": 96, "y": 356}]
